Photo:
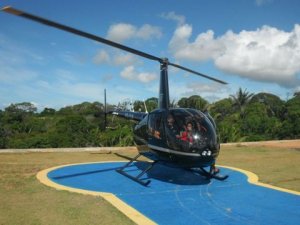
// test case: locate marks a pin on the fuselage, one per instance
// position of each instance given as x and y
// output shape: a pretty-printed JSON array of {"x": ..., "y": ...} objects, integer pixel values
[{"x": 185, "y": 137}]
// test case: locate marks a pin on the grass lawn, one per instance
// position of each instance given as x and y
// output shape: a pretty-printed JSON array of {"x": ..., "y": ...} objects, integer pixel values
[
  {"x": 23, "y": 200},
  {"x": 276, "y": 166}
]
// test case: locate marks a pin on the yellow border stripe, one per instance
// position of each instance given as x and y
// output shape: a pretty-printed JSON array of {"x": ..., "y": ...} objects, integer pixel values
[
  {"x": 253, "y": 179},
  {"x": 126, "y": 209}
]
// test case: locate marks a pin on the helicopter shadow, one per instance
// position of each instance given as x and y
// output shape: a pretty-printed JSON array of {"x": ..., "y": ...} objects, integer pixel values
[
  {"x": 173, "y": 175},
  {"x": 73, "y": 175}
]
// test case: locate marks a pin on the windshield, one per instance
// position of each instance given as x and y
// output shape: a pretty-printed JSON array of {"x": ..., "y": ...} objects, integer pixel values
[{"x": 189, "y": 130}]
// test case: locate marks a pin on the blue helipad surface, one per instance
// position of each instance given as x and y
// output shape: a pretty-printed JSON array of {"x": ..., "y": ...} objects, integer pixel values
[{"x": 177, "y": 196}]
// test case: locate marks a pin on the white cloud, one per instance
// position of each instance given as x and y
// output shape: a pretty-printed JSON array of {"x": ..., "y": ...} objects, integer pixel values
[
  {"x": 199, "y": 87},
  {"x": 123, "y": 31},
  {"x": 147, "y": 32},
  {"x": 204, "y": 47},
  {"x": 124, "y": 59},
  {"x": 266, "y": 54},
  {"x": 130, "y": 73},
  {"x": 175, "y": 17},
  {"x": 209, "y": 91},
  {"x": 146, "y": 77},
  {"x": 114, "y": 57},
  {"x": 101, "y": 57}
]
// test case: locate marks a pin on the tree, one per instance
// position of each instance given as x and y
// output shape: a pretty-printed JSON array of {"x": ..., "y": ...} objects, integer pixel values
[
  {"x": 221, "y": 109},
  {"x": 239, "y": 118},
  {"x": 275, "y": 106},
  {"x": 121, "y": 136},
  {"x": 194, "y": 101},
  {"x": 297, "y": 94},
  {"x": 258, "y": 124},
  {"x": 290, "y": 126},
  {"x": 85, "y": 108},
  {"x": 139, "y": 106},
  {"x": 229, "y": 133},
  {"x": 173, "y": 104},
  {"x": 241, "y": 99},
  {"x": 72, "y": 131},
  {"x": 183, "y": 102},
  {"x": 151, "y": 103},
  {"x": 3, "y": 138},
  {"x": 48, "y": 112},
  {"x": 18, "y": 112},
  {"x": 25, "y": 107}
]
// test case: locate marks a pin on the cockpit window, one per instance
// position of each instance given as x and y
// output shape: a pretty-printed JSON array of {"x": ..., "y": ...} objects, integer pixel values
[
  {"x": 189, "y": 129},
  {"x": 155, "y": 126}
]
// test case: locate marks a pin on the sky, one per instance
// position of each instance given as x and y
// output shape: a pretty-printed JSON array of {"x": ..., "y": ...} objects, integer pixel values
[{"x": 250, "y": 44}]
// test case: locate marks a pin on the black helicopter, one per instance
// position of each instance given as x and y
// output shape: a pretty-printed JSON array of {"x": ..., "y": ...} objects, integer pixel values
[{"x": 182, "y": 137}]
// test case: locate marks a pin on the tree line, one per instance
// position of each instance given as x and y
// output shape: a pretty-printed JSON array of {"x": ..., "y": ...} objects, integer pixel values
[{"x": 241, "y": 117}]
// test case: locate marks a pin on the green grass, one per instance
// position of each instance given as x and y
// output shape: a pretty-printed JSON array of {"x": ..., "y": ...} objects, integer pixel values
[
  {"x": 275, "y": 166},
  {"x": 24, "y": 200}
]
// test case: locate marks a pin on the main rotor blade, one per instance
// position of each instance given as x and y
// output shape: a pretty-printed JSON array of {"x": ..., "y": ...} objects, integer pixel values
[
  {"x": 197, "y": 73},
  {"x": 17, "y": 12},
  {"x": 47, "y": 22}
]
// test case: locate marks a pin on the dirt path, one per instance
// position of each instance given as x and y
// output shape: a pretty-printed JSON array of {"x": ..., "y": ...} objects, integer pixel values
[
  {"x": 279, "y": 144},
  {"x": 275, "y": 144}
]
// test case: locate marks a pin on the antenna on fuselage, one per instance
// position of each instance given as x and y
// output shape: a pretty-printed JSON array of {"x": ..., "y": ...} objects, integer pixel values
[{"x": 146, "y": 109}]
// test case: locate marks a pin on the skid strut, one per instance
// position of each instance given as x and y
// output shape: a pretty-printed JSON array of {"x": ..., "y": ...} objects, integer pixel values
[
  {"x": 136, "y": 178},
  {"x": 211, "y": 174}
]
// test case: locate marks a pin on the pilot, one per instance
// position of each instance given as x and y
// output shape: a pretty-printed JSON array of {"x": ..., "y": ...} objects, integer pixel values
[{"x": 171, "y": 126}]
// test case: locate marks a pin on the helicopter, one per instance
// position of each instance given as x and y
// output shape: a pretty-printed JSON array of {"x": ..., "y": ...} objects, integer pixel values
[{"x": 181, "y": 137}]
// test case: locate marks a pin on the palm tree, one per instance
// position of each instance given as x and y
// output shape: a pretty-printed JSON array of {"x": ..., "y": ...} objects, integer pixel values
[{"x": 241, "y": 99}]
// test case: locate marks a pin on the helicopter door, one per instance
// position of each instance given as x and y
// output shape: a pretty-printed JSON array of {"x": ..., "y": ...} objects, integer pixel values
[{"x": 156, "y": 132}]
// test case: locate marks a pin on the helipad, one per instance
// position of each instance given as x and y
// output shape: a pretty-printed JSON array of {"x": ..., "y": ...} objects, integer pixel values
[{"x": 177, "y": 196}]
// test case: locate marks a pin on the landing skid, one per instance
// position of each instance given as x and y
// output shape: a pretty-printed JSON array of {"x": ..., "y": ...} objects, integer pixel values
[
  {"x": 212, "y": 174},
  {"x": 136, "y": 178}
]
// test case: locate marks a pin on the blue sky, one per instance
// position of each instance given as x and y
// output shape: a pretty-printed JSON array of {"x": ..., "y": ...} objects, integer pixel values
[{"x": 252, "y": 44}]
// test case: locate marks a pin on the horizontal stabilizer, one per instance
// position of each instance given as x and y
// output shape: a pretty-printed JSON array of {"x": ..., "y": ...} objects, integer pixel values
[{"x": 137, "y": 116}]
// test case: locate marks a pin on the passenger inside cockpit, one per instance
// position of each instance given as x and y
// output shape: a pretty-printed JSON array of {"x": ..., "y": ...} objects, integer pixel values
[{"x": 187, "y": 135}]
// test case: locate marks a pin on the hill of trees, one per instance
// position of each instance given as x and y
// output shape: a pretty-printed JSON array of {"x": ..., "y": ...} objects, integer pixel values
[{"x": 241, "y": 117}]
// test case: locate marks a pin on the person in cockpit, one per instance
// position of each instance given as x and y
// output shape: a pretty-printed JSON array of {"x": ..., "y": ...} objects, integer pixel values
[
  {"x": 171, "y": 126},
  {"x": 187, "y": 135}
]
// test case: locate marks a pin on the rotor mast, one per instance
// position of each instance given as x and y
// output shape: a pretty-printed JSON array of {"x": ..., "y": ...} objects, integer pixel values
[{"x": 164, "y": 98}]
